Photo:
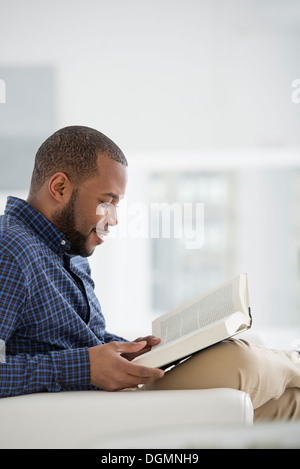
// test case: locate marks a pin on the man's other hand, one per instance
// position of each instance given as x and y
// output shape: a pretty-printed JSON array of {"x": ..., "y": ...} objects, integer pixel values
[
  {"x": 111, "y": 370},
  {"x": 150, "y": 342}
]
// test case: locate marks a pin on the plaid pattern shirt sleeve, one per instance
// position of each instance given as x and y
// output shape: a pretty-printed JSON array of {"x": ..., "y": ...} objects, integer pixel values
[{"x": 49, "y": 314}]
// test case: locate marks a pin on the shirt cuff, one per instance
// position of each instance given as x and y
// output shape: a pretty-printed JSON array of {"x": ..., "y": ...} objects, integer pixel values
[{"x": 72, "y": 368}]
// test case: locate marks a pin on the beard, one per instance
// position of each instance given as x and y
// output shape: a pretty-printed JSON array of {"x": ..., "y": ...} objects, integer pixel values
[{"x": 64, "y": 220}]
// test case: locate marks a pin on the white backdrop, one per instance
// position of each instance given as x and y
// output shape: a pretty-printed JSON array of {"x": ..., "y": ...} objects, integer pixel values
[{"x": 173, "y": 81}]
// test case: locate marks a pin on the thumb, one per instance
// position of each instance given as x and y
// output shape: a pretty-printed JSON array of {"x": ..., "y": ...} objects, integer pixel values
[{"x": 127, "y": 347}]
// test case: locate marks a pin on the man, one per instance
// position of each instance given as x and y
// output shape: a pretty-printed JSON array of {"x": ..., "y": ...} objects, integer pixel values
[{"x": 50, "y": 318}]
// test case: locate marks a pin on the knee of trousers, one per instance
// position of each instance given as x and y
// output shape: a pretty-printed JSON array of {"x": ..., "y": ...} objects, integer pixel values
[
  {"x": 247, "y": 365},
  {"x": 228, "y": 364},
  {"x": 241, "y": 365}
]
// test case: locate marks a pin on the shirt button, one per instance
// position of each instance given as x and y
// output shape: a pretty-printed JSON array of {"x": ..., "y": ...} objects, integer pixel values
[{"x": 63, "y": 242}]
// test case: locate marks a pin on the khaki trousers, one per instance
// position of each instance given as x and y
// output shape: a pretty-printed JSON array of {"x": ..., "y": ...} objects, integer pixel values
[{"x": 270, "y": 377}]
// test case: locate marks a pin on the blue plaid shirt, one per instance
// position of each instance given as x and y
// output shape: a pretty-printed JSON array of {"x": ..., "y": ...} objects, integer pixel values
[{"x": 49, "y": 314}]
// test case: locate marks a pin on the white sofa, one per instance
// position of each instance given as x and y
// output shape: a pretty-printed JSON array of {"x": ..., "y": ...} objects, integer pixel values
[
  {"x": 211, "y": 418},
  {"x": 97, "y": 419}
]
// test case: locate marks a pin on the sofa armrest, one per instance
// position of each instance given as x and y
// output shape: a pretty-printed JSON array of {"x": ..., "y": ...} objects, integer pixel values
[{"x": 83, "y": 419}]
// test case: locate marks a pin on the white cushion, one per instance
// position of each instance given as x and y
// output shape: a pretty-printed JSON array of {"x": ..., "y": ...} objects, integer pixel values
[{"x": 86, "y": 419}]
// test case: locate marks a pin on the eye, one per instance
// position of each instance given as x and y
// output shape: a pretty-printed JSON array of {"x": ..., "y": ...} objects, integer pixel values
[
  {"x": 104, "y": 204},
  {"x": 108, "y": 204}
]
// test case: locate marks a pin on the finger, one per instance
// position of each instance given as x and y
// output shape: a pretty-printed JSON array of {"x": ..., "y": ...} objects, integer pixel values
[
  {"x": 132, "y": 375},
  {"x": 150, "y": 339},
  {"x": 144, "y": 372},
  {"x": 139, "y": 339},
  {"x": 132, "y": 356},
  {"x": 130, "y": 347},
  {"x": 154, "y": 340},
  {"x": 133, "y": 381}
]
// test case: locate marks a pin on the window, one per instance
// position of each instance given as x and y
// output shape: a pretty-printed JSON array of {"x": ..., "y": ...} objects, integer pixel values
[
  {"x": 179, "y": 273},
  {"x": 251, "y": 224}
]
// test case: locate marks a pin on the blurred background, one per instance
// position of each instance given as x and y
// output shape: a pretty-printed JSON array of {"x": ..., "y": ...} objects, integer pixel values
[{"x": 201, "y": 95}]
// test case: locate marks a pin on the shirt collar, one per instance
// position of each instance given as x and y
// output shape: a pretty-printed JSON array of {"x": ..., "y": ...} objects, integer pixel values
[{"x": 54, "y": 238}]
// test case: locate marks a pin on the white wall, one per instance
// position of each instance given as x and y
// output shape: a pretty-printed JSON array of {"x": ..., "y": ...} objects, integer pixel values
[{"x": 165, "y": 75}]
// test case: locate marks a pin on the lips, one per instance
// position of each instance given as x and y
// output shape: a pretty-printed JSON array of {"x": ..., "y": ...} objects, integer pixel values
[{"x": 101, "y": 234}]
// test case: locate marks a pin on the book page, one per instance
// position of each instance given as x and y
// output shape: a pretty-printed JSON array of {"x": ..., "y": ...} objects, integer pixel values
[{"x": 208, "y": 309}]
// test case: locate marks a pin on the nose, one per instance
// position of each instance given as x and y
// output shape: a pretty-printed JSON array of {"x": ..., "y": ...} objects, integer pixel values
[
  {"x": 108, "y": 214},
  {"x": 112, "y": 217}
]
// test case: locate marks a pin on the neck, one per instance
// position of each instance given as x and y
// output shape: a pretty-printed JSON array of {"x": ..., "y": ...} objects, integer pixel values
[{"x": 38, "y": 201}]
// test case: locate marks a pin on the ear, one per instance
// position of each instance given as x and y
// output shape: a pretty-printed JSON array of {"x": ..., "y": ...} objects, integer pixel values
[{"x": 60, "y": 187}]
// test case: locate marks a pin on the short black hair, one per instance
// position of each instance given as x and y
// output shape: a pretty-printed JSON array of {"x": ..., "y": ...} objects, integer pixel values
[{"x": 73, "y": 150}]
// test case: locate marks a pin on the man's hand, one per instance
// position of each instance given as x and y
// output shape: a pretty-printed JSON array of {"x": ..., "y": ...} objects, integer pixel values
[
  {"x": 150, "y": 342},
  {"x": 111, "y": 370}
]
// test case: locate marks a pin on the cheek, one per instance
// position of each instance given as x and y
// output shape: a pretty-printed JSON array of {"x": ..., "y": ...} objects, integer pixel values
[{"x": 85, "y": 220}]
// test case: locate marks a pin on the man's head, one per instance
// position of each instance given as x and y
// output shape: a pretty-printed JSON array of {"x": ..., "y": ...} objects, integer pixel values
[{"x": 76, "y": 169}]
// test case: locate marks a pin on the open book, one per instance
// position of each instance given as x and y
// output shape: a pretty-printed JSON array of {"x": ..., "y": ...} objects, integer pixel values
[{"x": 215, "y": 316}]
